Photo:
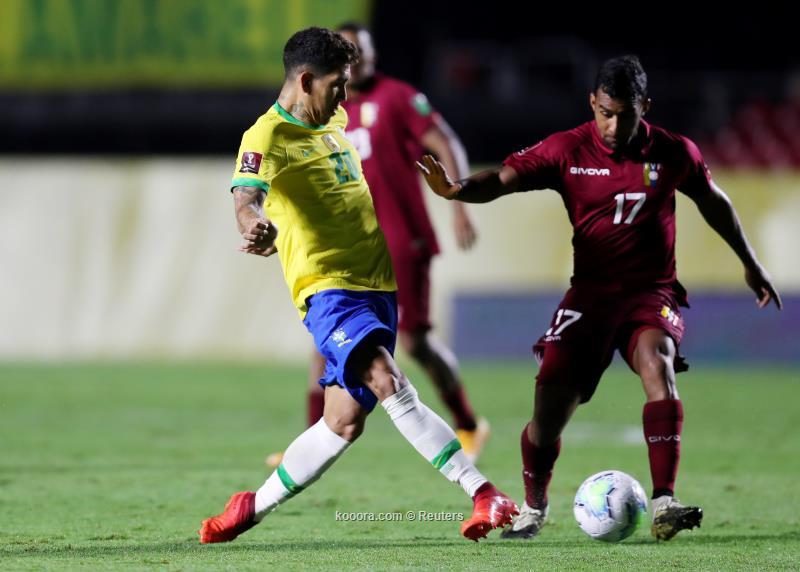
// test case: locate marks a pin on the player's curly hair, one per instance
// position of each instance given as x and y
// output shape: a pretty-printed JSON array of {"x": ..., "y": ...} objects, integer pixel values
[
  {"x": 321, "y": 49},
  {"x": 622, "y": 78}
]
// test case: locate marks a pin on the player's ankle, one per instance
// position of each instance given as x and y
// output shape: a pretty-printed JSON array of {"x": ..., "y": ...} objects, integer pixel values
[
  {"x": 536, "y": 500},
  {"x": 486, "y": 489}
]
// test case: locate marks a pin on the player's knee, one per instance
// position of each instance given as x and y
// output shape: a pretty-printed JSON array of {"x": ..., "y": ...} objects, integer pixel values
[
  {"x": 352, "y": 431},
  {"x": 348, "y": 429},
  {"x": 369, "y": 359},
  {"x": 652, "y": 365},
  {"x": 564, "y": 376},
  {"x": 383, "y": 377},
  {"x": 656, "y": 370},
  {"x": 656, "y": 365},
  {"x": 654, "y": 354},
  {"x": 553, "y": 407}
]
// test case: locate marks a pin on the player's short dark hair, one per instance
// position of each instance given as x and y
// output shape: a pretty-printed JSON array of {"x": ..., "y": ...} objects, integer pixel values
[
  {"x": 321, "y": 49},
  {"x": 622, "y": 78}
]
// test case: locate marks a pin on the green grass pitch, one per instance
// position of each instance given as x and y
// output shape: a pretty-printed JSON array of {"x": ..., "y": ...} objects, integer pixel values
[{"x": 108, "y": 466}]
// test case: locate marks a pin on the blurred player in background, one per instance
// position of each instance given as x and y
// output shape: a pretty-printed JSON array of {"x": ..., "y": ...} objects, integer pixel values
[
  {"x": 617, "y": 176},
  {"x": 391, "y": 124},
  {"x": 296, "y": 164}
]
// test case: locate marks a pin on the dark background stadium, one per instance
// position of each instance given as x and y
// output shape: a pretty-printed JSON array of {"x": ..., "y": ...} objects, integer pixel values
[{"x": 504, "y": 74}]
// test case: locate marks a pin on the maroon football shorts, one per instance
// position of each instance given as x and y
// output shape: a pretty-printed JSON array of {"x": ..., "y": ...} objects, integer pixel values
[
  {"x": 413, "y": 274},
  {"x": 589, "y": 325}
]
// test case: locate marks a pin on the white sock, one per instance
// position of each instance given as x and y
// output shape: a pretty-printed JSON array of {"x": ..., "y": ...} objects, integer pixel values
[
  {"x": 309, "y": 455},
  {"x": 433, "y": 438}
]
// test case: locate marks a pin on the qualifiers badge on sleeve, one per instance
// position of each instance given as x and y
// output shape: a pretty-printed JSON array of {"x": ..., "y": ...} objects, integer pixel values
[
  {"x": 421, "y": 104},
  {"x": 251, "y": 162}
]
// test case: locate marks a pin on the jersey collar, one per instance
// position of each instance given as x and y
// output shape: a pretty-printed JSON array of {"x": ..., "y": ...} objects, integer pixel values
[
  {"x": 645, "y": 134},
  {"x": 292, "y": 119}
]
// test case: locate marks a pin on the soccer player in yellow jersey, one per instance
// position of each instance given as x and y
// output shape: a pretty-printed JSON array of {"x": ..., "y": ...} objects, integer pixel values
[{"x": 299, "y": 191}]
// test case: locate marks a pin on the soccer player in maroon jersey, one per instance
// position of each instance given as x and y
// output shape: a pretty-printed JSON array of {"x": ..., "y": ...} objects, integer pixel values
[
  {"x": 617, "y": 176},
  {"x": 391, "y": 124}
]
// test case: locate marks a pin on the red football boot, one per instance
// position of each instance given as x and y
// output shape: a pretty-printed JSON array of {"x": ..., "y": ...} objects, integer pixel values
[
  {"x": 492, "y": 509},
  {"x": 238, "y": 516}
]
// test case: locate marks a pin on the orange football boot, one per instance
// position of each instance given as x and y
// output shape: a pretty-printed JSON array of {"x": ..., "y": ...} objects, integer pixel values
[
  {"x": 492, "y": 509},
  {"x": 238, "y": 516}
]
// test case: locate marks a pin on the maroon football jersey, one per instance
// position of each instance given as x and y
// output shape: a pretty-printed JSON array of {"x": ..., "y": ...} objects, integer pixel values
[
  {"x": 622, "y": 208},
  {"x": 386, "y": 123}
]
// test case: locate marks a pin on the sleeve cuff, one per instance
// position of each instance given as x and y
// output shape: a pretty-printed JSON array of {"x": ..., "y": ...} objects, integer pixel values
[{"x": 250, "y": 182}]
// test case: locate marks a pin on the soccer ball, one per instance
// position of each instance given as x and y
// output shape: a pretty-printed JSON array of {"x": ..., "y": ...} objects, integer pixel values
[{"x": 609, "y": 505}]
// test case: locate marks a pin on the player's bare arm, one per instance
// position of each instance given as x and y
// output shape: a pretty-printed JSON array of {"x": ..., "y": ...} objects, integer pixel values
[
  {"x": 481, "y": 187},
  {"x": 443, "y": 142},
  {"x": 720, "y": 215},
  {"x": 258, "y": 232}
]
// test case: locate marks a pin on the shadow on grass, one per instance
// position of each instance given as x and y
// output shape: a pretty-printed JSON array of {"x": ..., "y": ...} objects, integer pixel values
[
  {"x": 34, "y": 548},
  {"x": 37, "y": 548},
  {"x": 685, "y": 539}
]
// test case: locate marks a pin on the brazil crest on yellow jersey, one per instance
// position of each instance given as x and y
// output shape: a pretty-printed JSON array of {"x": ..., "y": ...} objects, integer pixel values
[{"x": 328, "y": 235}]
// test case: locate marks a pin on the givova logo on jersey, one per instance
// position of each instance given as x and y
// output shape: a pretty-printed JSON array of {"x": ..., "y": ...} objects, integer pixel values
[
  {"x": 590, "y": 171},
  {"x": 650, "y": 173}
]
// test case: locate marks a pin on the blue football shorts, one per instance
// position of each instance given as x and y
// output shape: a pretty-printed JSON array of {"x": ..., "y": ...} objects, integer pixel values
[{"x": 340, "y": 320}]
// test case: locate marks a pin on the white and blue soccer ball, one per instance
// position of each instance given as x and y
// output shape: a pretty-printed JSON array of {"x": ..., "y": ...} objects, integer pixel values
[{"x": 609, "y": 505}]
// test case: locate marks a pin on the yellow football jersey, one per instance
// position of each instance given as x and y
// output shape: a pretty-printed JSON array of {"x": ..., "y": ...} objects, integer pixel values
[{"x": 328, "y": 235}]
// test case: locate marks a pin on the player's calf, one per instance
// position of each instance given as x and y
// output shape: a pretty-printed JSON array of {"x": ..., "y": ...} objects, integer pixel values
[
  {"x": 437, "y": 443},
  {"x": 306, "y": 459}
]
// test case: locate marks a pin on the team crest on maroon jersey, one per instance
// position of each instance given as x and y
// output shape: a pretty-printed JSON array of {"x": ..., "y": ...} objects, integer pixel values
[
  {"x": 369, "y": 114},
  {"x": 650, "y": 173},
  {"x": 251, "y": 162}
]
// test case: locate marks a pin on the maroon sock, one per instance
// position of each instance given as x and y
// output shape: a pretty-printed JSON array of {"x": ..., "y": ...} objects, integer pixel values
[
  {"x": 315, "y": 405},
  {"x": 458, "y": 404},
  {"x": 537, "y": 469},
  {"x": 662, "y": 422}
]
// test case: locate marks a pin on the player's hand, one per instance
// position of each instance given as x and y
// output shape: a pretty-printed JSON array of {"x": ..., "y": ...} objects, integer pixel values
[
  {"x": 466, "y": 235},
  {"x": 761, "y": 283},
  {"x": 437, "y": 178},
  {"x": 259, "y": 238}
]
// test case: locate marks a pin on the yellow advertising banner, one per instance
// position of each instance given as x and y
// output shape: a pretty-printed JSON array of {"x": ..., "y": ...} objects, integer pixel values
[{"x": 76, "y": 44}]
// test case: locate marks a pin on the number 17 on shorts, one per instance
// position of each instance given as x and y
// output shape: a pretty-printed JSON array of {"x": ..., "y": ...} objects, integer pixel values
[{"x": 564, "y": 318}]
